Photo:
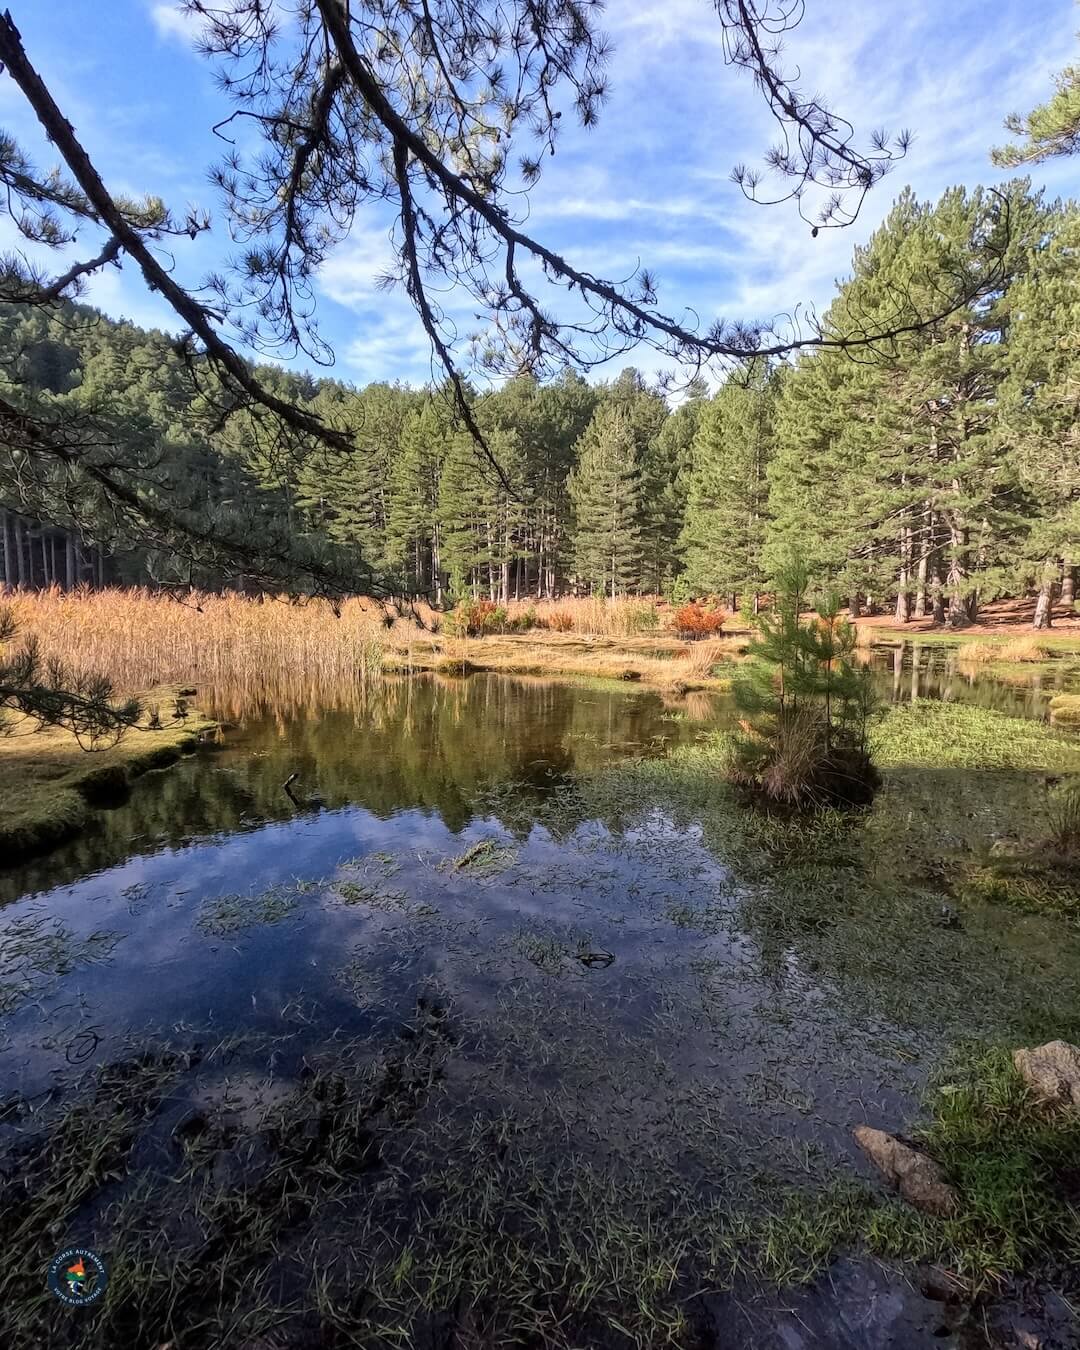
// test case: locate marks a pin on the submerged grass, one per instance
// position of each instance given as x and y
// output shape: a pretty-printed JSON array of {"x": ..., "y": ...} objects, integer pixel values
[
  {"x": 36, "y": 949},
  {"x": 366, "y": 1202}
]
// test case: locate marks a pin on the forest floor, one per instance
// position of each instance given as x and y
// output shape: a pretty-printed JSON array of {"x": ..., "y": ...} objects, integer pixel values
[
  {"x": 50, "y": 784},
  {"x": 1000, "y": 618}
]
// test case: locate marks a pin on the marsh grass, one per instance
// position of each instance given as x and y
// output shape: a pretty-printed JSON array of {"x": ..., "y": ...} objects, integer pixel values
[
  {"x": 248, "y": 649},
  {"x": 229, "y": 914},
  {"x": 141, "y": 638},
  {"x": 1024, "y": 649},
  {"x": 950, "y": 736}
]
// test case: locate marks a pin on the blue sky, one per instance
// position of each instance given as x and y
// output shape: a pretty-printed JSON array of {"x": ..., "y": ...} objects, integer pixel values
[{"x": 649, "y": 185}]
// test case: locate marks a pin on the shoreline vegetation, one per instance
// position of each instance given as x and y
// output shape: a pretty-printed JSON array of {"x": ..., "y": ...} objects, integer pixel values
[
  {"x": 142, "y": 638},
  {"x": 50, "y": 786},
  {"x": 161, "y": 641}
]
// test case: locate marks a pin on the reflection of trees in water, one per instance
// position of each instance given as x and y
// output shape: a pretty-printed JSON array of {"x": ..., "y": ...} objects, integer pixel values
[
  {"x": 910, "y": 671},
  {"x": 427, "y": 741}
]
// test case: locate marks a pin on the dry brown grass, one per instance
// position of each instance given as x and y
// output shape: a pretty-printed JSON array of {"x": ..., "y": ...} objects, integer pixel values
[
  {"x": 598, "y": 616},
  {"x": 1025, "y": 648},
  {"x": 141, "y": 638},
  {"x": 251, "y": 650}
]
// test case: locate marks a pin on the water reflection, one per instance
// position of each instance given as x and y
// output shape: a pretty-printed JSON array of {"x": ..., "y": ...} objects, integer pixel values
[
  {"x": 909, "y": 670},
  {"x": 424, "y": 743}
]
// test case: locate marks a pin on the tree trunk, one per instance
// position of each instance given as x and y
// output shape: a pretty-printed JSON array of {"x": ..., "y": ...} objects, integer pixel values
[
  {"x": 903, "y": 600},
  {"x": 920, "y": 588},
  {"x": 20, "y": 561},
  {"x": 937, "y": 593},
  {"x": 1044, "y": 605},
  {"x": 855, "y": 605},
  {"x": 1068, "y": 585},
  {"x": 8, "y": 558},
  {"x": 69, "y": 560}
]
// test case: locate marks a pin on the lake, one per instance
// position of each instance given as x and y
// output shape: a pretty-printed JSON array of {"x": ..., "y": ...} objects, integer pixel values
[{"x": 482, "y": 969}]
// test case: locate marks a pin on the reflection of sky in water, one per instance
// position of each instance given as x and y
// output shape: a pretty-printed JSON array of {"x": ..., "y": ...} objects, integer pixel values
[
  {"x": 406, "y": 776},
  {"x": 712, "y": 999},
  {"x": 502, "y": 948}
]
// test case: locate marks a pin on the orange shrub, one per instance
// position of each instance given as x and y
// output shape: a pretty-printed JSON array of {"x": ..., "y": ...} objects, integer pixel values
[
  {"x": 695, "y": 621},
  {"x": 475, "y": 618},
  {"x": 559, "y": 621}
]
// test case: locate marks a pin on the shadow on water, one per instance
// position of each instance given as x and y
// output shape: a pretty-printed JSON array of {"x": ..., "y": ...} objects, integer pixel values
[{"x": 542, "y": 1006}]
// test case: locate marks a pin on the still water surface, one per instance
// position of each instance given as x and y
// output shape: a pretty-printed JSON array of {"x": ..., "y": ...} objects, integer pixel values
[{"x": 624, "y": 973}]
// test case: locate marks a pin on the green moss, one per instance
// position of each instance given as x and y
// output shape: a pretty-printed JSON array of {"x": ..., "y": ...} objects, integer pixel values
[
  {"x": 48, "y": 783},
  {"x": 956, "y": 736}
]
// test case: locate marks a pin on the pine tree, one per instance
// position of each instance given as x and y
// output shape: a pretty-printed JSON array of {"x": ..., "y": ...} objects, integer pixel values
[
  {"x": 805, "y": 701},
  {"x": 413, "y": 526},
  {"x": 605, "y": 489},
  {"x": 723, "y": 535},
  {"x": 1039, "y": 423},
  {"x": 1051, "y": 129}
]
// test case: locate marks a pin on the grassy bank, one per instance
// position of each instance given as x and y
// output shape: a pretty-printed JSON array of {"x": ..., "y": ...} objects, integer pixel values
[
  {"x": 50, "y": 786},
  {"x": 664, "y": 663}
]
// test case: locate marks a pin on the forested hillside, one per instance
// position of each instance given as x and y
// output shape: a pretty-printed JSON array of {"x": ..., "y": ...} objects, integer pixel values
[{"x": 928, "y": 474}]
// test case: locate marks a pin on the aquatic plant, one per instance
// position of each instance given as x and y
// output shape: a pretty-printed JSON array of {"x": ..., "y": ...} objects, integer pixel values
[
  {"x": 1063, "y": 812},
  {"x": 954, "y": 736}
]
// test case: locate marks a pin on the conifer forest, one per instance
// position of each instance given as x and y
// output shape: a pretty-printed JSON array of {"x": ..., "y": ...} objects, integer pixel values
[{"x": 932, "y": 473}]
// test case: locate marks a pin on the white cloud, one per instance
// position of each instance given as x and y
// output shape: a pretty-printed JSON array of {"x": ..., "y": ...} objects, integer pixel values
[
  {"x": 171, "y": 21},
  {"x": 351, "y": 274},
  {"x": 390, "y": 345}
]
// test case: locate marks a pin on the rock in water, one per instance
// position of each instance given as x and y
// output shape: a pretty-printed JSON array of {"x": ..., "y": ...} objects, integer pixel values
[
  {"x": 918, "y": 1178},
  {"x": 1052, "y": 1071}
]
